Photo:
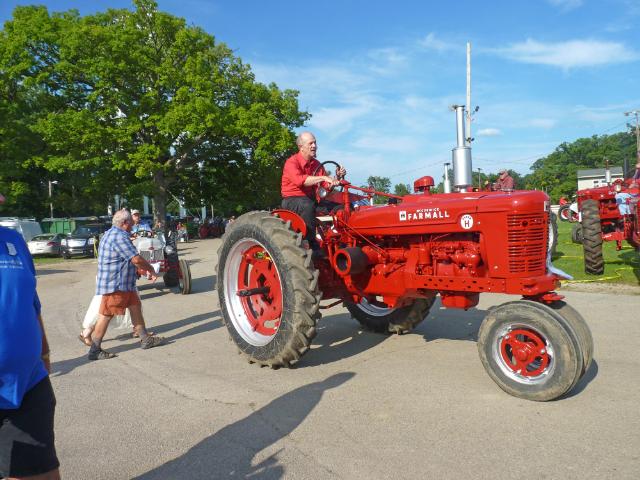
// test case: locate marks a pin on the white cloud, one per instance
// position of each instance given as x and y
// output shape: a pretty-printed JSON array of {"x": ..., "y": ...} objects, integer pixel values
[
  {"x": 489, "y": 132},
  {"x": 542, "y": 122},
  {"x": 570, "y": 54},
  {"x": 606, "y": 113},
  {"x": 430, "y": 42},
  {"x": 565, "y": 5},
  {"x": 387, "y": 60}
]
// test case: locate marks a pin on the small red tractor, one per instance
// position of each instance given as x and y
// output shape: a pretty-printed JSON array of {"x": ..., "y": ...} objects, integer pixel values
[
  {"x": 388, "y": 263},
  {"x": 607, "y": 214}
]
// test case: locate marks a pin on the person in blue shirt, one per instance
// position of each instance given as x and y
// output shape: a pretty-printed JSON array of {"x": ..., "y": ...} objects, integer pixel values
[{"x": 27, "y": 401}]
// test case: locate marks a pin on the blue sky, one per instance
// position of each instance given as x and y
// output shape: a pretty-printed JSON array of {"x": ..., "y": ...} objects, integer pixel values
[{"x": 378, "y": 76}]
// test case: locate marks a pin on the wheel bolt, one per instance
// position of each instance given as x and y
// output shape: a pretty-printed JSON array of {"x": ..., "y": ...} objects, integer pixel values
[{"x": 543, "y": 351}]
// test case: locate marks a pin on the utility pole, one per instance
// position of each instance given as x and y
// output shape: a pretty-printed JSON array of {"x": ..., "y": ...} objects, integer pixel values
[
  {"x": 479, "y": 178},
  {"x": 636, "y": 113},
  {"x": 51, "y": 184},
  {"x": 468, "y": 139}
]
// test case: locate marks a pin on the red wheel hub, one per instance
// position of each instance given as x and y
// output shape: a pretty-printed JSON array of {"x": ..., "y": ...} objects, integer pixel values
[
  {"x": 525, "y": 352},
  {"x": 258, "y": 273}
]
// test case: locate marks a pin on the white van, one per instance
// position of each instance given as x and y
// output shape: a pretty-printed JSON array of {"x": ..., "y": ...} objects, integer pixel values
[{"x": 27, "y": 227}]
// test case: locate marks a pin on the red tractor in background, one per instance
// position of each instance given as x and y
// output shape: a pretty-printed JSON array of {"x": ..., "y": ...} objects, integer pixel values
[
  {"x": 607, "y": 214},
  {"x": 388, "y": 263}
]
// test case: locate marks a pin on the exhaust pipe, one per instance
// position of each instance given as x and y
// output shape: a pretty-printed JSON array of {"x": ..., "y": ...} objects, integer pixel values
[
  {"x": 461, "y": 155},
  {"x": 447, "y": 182},
  {"x": 350, "y": 261}
]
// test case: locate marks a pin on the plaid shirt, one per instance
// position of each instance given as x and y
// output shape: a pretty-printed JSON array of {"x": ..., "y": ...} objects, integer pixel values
[{"x": 115, "y": 270}]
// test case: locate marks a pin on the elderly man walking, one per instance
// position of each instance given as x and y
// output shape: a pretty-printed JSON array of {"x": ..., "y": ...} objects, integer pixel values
[{"x": 118, "y": 262}]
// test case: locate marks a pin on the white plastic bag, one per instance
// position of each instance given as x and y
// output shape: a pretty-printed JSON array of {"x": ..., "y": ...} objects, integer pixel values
[{"x": 118, "y": 321}]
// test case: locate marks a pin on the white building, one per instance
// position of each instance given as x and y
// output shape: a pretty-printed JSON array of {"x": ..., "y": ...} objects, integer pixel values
[{"x": 594, "y": 177}]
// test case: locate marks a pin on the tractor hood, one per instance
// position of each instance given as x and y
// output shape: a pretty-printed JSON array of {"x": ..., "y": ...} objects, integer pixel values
[{"x": 416, "y": 214}]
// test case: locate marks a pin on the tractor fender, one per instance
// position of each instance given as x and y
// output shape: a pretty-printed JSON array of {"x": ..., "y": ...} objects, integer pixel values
[{"x": 297, "y": 224}]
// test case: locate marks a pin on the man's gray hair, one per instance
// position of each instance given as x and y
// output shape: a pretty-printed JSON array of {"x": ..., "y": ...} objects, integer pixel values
[
  {"x": 120, "y": 217},
  {"x": 299, "y": 138}
]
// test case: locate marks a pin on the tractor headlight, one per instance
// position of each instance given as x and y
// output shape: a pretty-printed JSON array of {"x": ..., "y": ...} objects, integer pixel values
[
  {"x": 169, "y": 250},
  {"x": 618, "y": 187},
  {"x": 322, "y": 192}
]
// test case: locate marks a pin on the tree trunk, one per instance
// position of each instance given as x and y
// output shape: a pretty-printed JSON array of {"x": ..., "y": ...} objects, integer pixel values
[{"x": 160, "y": 199}]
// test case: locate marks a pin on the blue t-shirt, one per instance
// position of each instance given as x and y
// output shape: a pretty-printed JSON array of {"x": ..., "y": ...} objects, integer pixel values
[{"x": 21, "y": 366}]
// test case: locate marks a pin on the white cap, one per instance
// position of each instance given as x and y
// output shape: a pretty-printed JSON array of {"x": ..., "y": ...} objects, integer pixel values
[{"x": 134, "y": 211}]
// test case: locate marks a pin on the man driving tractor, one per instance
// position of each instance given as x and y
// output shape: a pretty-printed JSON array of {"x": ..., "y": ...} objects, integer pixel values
[{"x": 301, "y": 175}]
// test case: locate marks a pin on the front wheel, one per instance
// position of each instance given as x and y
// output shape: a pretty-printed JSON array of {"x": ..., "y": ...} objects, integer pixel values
[
  {"x": 576, "y": 233},
  {"x": 268, "y": 290},
  {"x": 553, "y": 233},
  {"x": 531, "y": 351},
  {"x": 564, "y": 213},
  {"x": 378, "y": 317},
  {"x": 184, "y": 278}
]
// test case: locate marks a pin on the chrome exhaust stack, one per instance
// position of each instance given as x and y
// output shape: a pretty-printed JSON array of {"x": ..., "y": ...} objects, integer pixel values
[{"x": 461, "y": 155}]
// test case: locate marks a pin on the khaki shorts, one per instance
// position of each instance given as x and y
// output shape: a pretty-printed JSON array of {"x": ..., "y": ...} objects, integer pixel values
[{"x": 117, "y": 302}]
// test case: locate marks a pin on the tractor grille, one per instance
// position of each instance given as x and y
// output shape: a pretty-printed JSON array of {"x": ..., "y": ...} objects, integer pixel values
[
  {"x": 527, "y": 236},
  {"x": 152, "y": 255}
]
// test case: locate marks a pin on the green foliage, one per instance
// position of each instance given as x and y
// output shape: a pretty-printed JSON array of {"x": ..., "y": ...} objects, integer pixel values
[
  {"x": 402, "y": 189},
  {"x": 557, "y": 173},
  {"x": 380, "y": 184},
  {"x": 138, "y": 102}
]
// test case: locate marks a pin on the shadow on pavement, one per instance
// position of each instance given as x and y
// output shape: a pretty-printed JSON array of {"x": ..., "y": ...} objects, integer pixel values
[
  {"x": 586, "y": 379},
  {"x": 339, "y": 337},
  {"x": 204, "y": 322},
  {"x": 450, "y": 323},
  {"x": 203, "y": 284},
  {"x": 229, "y": 452},
  {"x": 40, "y": 273}
]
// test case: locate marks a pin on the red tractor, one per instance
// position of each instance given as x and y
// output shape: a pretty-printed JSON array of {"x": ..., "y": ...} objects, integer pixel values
[
  {"x": 388, "y": 263},
  {"x": 607, "y": 214}
]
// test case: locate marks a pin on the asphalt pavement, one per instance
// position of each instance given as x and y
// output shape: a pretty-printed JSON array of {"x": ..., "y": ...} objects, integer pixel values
[{"x": 358, "y": 406}]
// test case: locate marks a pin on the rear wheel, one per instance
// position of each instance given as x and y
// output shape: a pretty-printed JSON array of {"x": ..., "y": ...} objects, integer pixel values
[
  {"x": 268, "y": 290},
  {"x": 378, "y": 317},
  {"x": 530, "y": 350},
  {"x": 592, "y": 238},
  {"x": 184, "y": 278}
]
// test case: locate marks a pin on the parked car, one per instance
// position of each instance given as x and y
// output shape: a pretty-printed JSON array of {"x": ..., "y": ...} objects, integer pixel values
[
  {"x": 27, "y": 227},
  {"x": 83, "y": 240},
  {"x": 46, "y": 244}
]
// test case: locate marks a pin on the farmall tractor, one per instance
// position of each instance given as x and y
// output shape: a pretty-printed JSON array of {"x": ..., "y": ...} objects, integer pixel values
[
  {"x": 606, "y": 214},
  {"x": 388, "y": 263}
]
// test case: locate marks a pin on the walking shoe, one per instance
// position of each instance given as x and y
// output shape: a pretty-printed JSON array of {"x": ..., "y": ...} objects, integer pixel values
[
  {"x": 151, "y": 342},
  {"x": 101, "y": 355}
]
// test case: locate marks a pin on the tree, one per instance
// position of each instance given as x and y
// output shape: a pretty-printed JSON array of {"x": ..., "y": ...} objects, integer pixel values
[
  {"x": 152, "y": 105},
  {"x": 402, "y": 189},
  {"x": 380, "y": 184},
  {"x": 557, "y": 173}
]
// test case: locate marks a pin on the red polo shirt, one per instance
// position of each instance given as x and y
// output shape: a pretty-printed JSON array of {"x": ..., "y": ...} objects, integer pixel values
[{"x": 295, "y": 172}]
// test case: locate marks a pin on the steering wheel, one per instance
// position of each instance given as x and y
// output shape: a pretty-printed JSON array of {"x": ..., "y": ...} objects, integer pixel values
[{"x": 324, "y": 185}]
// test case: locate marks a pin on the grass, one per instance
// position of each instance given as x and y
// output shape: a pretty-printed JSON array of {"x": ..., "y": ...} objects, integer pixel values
[
  {"x": 47, "y": 260},
  {"x": 620, "y": 266}
]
